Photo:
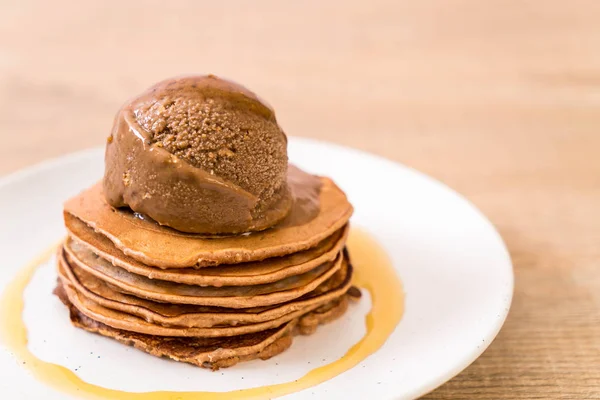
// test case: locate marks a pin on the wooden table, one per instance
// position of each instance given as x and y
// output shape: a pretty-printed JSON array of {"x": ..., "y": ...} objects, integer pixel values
[{"x": 499, "y": 99}]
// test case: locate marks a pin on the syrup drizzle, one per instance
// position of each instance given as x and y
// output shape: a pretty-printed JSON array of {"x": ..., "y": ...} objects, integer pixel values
[{"x": 373, "y": 272}]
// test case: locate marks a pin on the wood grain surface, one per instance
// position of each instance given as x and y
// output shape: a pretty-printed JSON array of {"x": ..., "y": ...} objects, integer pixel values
[{"x": 499, "y": 99}]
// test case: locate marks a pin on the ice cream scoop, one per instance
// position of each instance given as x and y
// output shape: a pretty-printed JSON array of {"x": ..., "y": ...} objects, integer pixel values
[{"x": 201, "y": 155}]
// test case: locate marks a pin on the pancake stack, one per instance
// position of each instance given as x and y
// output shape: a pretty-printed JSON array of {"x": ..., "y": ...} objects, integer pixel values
[{"x": 211, "y": 300}]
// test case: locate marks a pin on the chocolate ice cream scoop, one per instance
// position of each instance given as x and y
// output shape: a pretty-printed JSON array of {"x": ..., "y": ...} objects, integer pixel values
[{"x": 201, "y": 155}]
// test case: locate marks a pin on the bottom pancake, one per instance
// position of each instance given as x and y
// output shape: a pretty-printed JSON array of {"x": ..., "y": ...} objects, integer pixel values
[{"x": 213, "y": 353}]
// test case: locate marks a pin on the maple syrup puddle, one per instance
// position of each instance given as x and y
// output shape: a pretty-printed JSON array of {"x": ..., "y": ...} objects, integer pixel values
[{"x": 373, "y": 271}]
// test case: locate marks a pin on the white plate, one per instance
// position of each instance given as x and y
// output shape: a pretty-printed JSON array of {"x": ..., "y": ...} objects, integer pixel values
[{"x": 455, "y": 269}]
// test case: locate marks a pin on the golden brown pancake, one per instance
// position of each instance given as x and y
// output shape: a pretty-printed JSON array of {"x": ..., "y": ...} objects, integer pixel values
[
  {"x": 228, "y": 296},
  {"x": 192, "y": 316},
  {"x": 128, "y": 322},
  {"x": 252, "y": 273},
  {"x": 211, "y": 353},
  {"x": 160, "y": 246},
  {"x": 85, "y": 258}
]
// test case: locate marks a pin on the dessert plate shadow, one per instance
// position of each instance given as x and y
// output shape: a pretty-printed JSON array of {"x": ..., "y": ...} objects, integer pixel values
[{"x": 454, "y": 267}]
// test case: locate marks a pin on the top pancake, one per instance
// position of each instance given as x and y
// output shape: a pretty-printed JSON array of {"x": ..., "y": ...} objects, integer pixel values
[{"x": 154, "y": 245}]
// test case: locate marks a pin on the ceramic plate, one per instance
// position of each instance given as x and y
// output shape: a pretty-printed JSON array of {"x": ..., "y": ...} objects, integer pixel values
[{"x": 454, "y": 267}]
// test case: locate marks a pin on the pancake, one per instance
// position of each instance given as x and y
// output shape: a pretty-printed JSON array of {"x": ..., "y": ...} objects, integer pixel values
[
  {"x": 228, "y": 296},
  {"x": 211, "y": 353},
  {"x": 85, "y": 258},
  {"x": 251, "y": 273},
  {"x": 184, "y": 315},
  {"x": 160, "y": 246},
  {"x": 128, "y": 322}
]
